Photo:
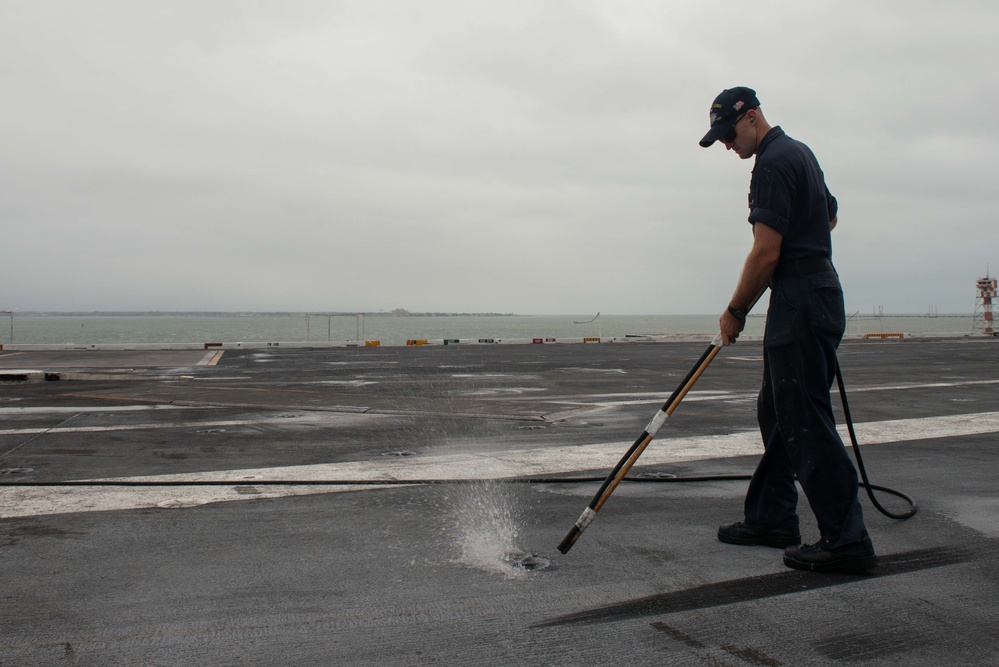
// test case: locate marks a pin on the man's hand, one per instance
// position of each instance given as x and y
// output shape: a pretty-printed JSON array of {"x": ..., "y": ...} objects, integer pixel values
[
  {"x": 730, "y": 328},
  {"x": 760, "y": 265}
]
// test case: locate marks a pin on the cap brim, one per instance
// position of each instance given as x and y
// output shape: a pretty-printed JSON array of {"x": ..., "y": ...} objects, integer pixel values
[{"x": 718, "y": 131}]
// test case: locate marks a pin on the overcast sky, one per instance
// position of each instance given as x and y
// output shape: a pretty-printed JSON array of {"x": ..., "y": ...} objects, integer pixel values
[{"x": 523, "y": 156}]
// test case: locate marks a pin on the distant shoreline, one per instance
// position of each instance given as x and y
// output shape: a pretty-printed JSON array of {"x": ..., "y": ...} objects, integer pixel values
[{"x": 208, "y": 313}]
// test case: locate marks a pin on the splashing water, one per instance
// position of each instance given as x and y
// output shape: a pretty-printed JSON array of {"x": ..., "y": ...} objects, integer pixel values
[
  {"x": 484, "y": 522},
  {"x": 481, "y": 518}
]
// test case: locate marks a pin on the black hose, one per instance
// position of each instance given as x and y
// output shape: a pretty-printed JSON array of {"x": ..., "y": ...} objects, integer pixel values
[
  {"x": 427, "y": 482},
  {"x": 911, "y": 512},
  {"x": 368, "y": 482}
]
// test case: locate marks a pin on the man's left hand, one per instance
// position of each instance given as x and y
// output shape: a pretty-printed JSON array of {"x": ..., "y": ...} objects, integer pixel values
[{"x": 730, "y": 328}]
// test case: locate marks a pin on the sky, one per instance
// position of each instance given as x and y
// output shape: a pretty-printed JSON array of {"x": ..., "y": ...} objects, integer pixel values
[{"x": 530, "y": 157}]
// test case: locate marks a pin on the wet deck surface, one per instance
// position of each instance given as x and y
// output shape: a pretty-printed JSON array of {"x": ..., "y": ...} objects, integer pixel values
[{"x": 250, "y": 573}]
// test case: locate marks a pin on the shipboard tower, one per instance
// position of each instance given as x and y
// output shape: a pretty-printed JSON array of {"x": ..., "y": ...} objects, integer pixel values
[{"x": 983, "y": 305}]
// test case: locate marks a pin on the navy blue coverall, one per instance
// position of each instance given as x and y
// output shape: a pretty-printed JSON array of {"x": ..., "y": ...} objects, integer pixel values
[{"x": 805, "y": 324}]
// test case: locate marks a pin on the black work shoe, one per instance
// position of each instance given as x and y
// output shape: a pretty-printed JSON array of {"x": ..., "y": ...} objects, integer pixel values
[
  {"x": 853, "y": 557},
  {"x": 749, "y": 535}
]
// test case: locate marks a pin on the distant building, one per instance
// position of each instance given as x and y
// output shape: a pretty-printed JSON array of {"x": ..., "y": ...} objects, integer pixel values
[{"x": 983, "y": 305}]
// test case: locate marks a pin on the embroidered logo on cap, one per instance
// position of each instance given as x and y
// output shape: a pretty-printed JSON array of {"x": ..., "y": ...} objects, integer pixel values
[{"x": 738, "y": 105}]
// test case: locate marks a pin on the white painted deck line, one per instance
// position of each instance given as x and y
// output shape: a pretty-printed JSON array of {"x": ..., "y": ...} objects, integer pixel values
[
  {"x": 641, "y": 398},
  {"x": 22, "y": 502},
  {"x": 55, "y": 410},
  {"x": 309, "y": 418}
]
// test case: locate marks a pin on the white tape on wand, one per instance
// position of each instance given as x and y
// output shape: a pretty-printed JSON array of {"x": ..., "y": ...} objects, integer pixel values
[
  {"x": 585, "y": 518},
  {"x": 656, "y": 423}
]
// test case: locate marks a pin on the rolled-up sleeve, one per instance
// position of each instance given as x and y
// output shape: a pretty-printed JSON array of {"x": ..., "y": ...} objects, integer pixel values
[
  {"x": 832, "y": 204},
  {"x": 771, "y": 197}
]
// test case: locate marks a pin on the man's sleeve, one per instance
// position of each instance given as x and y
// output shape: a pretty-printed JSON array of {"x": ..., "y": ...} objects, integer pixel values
[
  {"x": 832, "y": 204},
  {"x": 771, "y": 197}
]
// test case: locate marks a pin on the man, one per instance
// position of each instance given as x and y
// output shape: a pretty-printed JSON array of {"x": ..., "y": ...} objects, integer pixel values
[{"x": 792, "y": 214}]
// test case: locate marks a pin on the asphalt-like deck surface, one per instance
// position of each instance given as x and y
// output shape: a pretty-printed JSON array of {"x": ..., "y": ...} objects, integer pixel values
[{"x": 248, "y": 573}]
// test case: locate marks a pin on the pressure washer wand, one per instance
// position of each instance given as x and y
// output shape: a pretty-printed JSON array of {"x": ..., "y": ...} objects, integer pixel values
[{"x": 631, "y": 456}]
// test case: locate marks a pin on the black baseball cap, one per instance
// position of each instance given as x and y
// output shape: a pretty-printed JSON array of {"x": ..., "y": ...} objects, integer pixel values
[{"x": 726, "y": 109}]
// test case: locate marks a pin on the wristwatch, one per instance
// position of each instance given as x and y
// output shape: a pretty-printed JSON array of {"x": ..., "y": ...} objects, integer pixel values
[{"x": 737, "y": 314}]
